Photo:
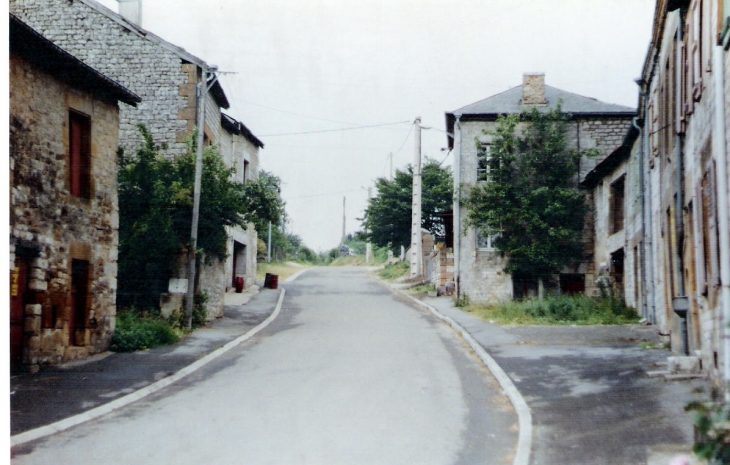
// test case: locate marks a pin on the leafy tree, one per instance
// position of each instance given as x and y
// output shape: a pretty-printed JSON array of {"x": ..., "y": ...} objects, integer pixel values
[
  {"x": 155, "y": 215},
  {"x": 531, "y": 198},
  {"x": 388, "y": 215}
]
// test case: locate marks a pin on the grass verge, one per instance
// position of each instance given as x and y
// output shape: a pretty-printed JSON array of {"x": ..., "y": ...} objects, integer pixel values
[
  {"x": 394, "y": 271},
  {"x": 282, "y": 269},
  {"x": 556, "y": 310}
]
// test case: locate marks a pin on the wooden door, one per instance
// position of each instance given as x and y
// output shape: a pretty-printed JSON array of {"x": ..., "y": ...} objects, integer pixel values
[
  {"x": 18, "y": 288},
  {"x": 79, "y": 300}
]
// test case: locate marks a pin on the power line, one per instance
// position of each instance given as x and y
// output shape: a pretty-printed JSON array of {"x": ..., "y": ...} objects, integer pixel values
[{"x": 334, "y": 130}]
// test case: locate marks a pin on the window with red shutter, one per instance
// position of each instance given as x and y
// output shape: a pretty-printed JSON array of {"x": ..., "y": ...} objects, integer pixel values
[{"x": 79, "y": 155}]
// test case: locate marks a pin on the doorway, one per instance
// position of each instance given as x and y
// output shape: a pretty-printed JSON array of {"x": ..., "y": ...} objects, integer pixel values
[
  {"x": 79, "y": 302},
  {"x": 239, "y": 262},
  {"x": 18, "y": 300}
]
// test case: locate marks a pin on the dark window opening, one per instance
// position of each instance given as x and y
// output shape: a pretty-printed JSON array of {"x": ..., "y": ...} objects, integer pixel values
[
  {"x": 572, "y": 283},
  {"x": 616, "y": 200}
]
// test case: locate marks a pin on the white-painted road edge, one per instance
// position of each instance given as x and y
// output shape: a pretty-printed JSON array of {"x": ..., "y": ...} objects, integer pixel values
[
  {"x": 524, "y": 417},
  {"x": 296, "y": 275},
  {"x": 97, "y": 412}
]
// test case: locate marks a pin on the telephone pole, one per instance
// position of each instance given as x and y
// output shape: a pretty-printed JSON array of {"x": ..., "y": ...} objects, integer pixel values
[
  {"x": 416, "y": 242},
  {"x": 208, "y": 79},
  {"x": 344, "y": 236}
]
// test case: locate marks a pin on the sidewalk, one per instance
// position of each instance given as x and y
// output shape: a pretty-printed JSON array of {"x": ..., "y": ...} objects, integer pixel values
[
  {"x": 59, "y": 392},
  {"x": 587, "y": 388}
]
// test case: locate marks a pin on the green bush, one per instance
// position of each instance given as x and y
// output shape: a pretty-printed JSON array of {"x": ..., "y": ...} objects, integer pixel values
[
  {"x": 712, "y": 430},
  {"x": 136, "y": 331}
]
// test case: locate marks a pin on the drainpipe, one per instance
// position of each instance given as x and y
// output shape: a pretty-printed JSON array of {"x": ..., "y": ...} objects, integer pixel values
[
  {"x": 719, "y": 153},
  {"x": 646, "y": 206},
  {"x": 457, "y": 206},
  {"x": 680, "y": 303},
  {"x": 644, "y": 307}
]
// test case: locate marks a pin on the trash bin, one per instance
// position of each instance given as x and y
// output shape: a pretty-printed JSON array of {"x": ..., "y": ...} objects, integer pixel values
[
  {"x": 239, "y": 284},
  {"x": 274, "y": 281},
  {"x": 267, "y": 280}
]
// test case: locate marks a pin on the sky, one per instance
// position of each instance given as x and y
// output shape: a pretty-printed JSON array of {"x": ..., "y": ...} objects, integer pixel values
[{"x": 332, "y": 87}]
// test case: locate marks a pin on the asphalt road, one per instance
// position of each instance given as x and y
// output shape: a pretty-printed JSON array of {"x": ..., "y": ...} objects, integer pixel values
[{"x": 348, "y": 373}]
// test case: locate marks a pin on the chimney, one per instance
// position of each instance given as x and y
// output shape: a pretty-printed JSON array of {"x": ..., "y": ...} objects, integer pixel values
[
  {"x": 131, "y": 10},
  {"x": 533, "y": 89}
]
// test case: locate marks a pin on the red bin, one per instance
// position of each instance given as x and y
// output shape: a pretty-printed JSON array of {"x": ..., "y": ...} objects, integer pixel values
[{"x": 239, "y": 284}]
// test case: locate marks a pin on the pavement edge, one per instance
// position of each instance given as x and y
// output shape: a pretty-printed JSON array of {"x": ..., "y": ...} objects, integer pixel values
[
  {"x": 524, "y": 416},
  {"x": 102, "y": 410}
]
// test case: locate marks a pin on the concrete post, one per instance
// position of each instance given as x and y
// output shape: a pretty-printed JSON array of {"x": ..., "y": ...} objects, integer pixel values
[{"x": 416, "y": 241}]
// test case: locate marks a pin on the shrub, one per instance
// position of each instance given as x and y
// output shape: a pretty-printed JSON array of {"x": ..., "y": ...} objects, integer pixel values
[{"x": 135, "y": 331}]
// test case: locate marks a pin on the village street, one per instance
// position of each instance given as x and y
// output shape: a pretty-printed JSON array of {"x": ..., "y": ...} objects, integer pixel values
[{"x": 347, "y": 373}]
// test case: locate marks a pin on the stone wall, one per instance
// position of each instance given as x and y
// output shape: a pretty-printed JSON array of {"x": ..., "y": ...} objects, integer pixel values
[{"x": 49, "y": 227}]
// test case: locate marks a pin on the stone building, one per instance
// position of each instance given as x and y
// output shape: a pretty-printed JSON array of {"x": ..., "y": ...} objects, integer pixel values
[
  {"x": 239, "y": 148},
  {"x": 164, "y": 75},
  {"x": 64, "y": 123},
  {"x": 682, "y": 155},
  {"x": 478, "y": 267},
  {"x": 614, "y": 196}
]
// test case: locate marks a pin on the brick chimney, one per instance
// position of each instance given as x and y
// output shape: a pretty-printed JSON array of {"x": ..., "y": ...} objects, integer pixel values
[
  {"x": 533, "y": 89},
  {"x": 131, "y": 10}
]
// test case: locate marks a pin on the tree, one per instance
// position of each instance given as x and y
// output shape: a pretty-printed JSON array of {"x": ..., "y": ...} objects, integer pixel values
[
  {"x": 530, "y": 202},
  {"x": 155, "y": 214},
  {"x": 388, "y": 215}
]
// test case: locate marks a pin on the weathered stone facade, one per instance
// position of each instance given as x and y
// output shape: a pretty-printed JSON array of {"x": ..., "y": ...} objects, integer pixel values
[
  {"x": 684, "y": 144},
  {"x": 166, "y": 77},
  {"x": 673, "y": 231},
  {"x": 479, "y": 269},
  {"x": 163, "y": 75},
  {"x": 54, "y": 232}
]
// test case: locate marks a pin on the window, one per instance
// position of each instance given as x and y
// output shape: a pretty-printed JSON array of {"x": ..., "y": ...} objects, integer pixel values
[
  {"x": 245, "y": 170},
  {"x": 616, "y": 205},
  {"x": 79, "y": 155},
  {"x": 484, "y": 162},
  {"x": 486, "y": 237}
]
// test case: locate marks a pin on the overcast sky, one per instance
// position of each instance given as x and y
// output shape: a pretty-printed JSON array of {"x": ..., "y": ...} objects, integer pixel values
[{"x": 335, "y": 65}]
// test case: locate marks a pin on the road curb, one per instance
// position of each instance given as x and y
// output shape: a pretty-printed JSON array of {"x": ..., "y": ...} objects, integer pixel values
[
  {"x": 102, "y": 410},
  {"x": 524, "y": 417}
]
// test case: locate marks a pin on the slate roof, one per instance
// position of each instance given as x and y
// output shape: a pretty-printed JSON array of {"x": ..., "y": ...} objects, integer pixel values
[
  {"x": 65, "y": 67},
  {"x": 237, "y": 127},
  {"x": 509, "y": 102},
  {"x": 216, "y": 91}
]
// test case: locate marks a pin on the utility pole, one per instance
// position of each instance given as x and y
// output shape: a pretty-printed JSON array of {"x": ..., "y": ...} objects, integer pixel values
[
  {"x": 268, "y": 249},
  {"x": 368, "y": 245},
  {"x": 391, "y": 165},
  {"x": 343, "y": 221},
  {"x": 208, "y": 79},
  {"x": 416, "y": 242}
]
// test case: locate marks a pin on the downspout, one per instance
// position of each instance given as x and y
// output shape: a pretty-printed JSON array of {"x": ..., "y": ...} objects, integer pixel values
[
  {"x": 647, "y": 224},
  {"x": 644, "y": 307},
  {"x": 457, "y": 206},
  {"x": 719, "y": 152},
  {"x": 681, "y": 302}
]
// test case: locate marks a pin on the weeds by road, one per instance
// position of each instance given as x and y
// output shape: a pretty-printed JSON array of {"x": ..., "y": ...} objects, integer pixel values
[
  {"x": 556, "y": 310},
  {"x": 394, "y": 271}
]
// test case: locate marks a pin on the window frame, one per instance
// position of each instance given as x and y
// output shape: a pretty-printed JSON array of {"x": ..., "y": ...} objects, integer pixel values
[{"x": 79, "y": 154}]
